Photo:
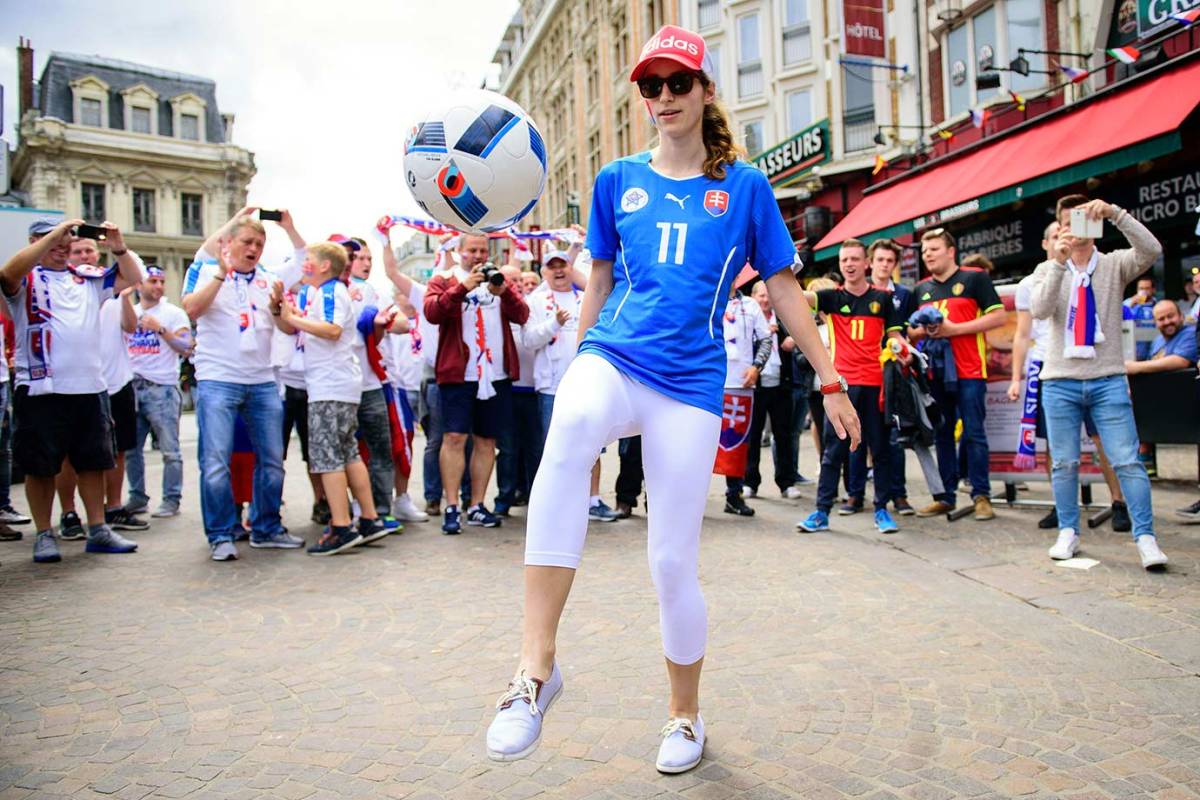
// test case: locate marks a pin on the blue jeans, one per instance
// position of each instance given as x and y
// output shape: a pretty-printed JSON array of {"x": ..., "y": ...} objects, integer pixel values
[
  {"x": 431, "y": 423},
  {"x": 218, "y": 404},
  {"x": 969, "y": 402},
  {"x": 1065, "y": 402},
  {"x": 158, "y": 407}
]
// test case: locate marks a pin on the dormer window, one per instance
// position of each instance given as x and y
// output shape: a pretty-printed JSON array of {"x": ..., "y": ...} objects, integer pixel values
[
  {"x": 189, "y": 127},
  {"x": 139, "y": 120},
  {"x": 141, "y": 109},
  {"x": 89, "y": 112}
]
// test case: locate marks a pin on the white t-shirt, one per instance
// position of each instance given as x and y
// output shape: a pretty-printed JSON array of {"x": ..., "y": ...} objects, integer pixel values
[
  {"x": 287, "y": 350},
  {"x": 233, "y": 337},
  {"x": 553, "y": 345},
  {"x": 56, "y": 319},
  {"x": 152, "y": 358},
  {"x": 405, "y": 356},
  {"x": 331, "y": 368},
  {"x": 1039, "y": 333},
  {"x": 114, "y": 353},
  {"x": 771, "y": 372},
  {"x": 363, "y": 294},
  {"x": 482, "y": 306},
  {"x": 429, "y": 331},
  {"x": 744, "y": 323}
]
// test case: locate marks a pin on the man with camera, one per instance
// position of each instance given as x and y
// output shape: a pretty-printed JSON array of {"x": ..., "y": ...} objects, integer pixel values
[
  {"x": 228, "y": 293},
  {"x": 61, "y": 404},
  {"x": 473, "y": 306},
  {"x": 1078, "y": 290}
]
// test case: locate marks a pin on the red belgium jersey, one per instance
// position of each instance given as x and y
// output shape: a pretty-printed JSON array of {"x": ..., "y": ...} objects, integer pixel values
[
  {"x": 857, "y": 325},
  {"x": 965, "y": 295}
]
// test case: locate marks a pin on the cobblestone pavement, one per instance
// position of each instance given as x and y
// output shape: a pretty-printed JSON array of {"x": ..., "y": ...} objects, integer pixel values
[{"x": 950, "y": 660}]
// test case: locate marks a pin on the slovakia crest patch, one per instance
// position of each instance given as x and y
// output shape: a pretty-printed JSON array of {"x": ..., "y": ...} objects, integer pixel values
[{"x": 716, "y": 202}]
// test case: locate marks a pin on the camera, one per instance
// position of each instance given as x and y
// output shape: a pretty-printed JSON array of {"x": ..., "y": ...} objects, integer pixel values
[{"x": 492, "y": 274}]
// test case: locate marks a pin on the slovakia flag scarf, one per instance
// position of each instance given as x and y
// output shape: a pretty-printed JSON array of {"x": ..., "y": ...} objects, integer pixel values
[
  {"x": 1083, "y": 321},
  {"x": 400, "y": 454}
]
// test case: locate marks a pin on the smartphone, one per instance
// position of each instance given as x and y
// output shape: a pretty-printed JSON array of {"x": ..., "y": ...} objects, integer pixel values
[
  {"x": 268, "y": 214},
  {"x": 86, "y": 231},
  {"x": 1084, "y": 227}
]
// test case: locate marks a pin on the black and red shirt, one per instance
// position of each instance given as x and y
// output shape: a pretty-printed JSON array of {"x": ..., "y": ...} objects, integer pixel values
[
  {"x": 965, "y": 295},
  {"x": 857, "y": 326}
]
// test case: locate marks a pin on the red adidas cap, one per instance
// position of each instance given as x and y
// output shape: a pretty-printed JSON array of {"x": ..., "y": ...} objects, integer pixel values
[{"x": 676, "y": 44}]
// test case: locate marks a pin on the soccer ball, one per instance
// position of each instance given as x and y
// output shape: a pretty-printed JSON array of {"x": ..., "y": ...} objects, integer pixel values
[{"x": 478, "y": 163}]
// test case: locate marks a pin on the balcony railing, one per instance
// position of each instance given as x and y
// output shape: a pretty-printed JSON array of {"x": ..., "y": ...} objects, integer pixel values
[
  {"x": 750, "y": 79},
  {"x": 859, "y": 129}
]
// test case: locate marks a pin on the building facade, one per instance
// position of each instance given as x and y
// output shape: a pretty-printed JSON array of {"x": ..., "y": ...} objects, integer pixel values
[
  {"x": 145, "y": 148},
  {"x": 567, "y": 63}
]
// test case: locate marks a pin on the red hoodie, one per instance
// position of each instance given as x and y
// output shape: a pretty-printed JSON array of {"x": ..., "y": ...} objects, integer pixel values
[{"x": 444, "y": 298}]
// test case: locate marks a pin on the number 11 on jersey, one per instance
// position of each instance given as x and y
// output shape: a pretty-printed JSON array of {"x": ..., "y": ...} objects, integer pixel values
[{"x": 664, "y": 240}]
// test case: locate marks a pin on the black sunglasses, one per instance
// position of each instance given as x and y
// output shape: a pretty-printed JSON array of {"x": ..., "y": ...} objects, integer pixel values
[{"x": 680, "y": 83}]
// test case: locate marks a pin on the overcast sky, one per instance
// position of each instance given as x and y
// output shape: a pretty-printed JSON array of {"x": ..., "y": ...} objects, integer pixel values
[{"x": 323, "y": 92}]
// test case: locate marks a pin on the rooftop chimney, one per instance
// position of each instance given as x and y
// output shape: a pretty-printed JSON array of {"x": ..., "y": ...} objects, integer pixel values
[{"x": 24, "y": 77}]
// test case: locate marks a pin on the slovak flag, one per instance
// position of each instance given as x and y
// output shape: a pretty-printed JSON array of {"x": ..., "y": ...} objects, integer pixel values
[
  {"x": 733, "y": 448},
  {"x": 716, "y": 202},
  {"x": 1189, "y": 17}
]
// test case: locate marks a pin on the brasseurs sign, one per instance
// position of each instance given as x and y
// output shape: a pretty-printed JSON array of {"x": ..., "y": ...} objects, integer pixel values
[{"x": 794, "y": 157}]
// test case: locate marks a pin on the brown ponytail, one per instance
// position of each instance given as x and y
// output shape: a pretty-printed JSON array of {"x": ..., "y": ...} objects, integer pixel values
[{"x": 718, "y": 138}]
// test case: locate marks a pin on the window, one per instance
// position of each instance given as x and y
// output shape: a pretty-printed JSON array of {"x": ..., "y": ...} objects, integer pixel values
[
  {"x": 983, "y": 28},
  {"x": 139, "y": 119},
  {"x": 993, "y": 37},
  {"x": 708, "y": 14},
  {"x": 797, "y": 32},
  {"x": 93, "y": 202},
  {"x": 89, "y": 112},
  {"x": 714, "y": 52},
  {"x": 799, "y": 110},
  {"x": 654, "y": 15},
  {"x": 192, "y": 220},
  {"x": 750, "y": 77},
  {"x": 620, "y": 38},
  {"x": 958, "y": 72},
  {"x": 1024, "y": 29},
  {"x": 143, "y": 210},
  {"x": 753, "y": 137},
  {"x": 592, "y": 76},
  {"x": 622, "y": 129},
  {"x": 593, "y": 155},
  {"x": 189, "y": 127},
  {"x": 859, "y": 111}
]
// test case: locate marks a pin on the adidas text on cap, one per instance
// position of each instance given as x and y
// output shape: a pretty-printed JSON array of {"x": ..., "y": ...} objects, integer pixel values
[{"x": 674, "y": 43}]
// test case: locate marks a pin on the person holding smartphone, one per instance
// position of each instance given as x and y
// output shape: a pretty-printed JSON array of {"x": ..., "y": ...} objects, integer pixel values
[
  {"x": 1078, "y": 291},
  {"x": 61, "y": 404},
  {"x": 668, "y": 232}
]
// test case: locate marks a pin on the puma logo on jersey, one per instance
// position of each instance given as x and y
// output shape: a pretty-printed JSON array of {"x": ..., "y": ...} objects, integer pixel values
[{"x": 679, "y": 200}]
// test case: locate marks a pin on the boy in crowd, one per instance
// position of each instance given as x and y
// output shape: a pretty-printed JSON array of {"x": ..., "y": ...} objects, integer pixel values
[
  {"x": 333, "y": 378},
  {"x": 60, "y": 410}
]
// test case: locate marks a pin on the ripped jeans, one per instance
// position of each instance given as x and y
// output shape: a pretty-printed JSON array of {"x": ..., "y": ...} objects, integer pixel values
[{"x": 1107, "y": 400}]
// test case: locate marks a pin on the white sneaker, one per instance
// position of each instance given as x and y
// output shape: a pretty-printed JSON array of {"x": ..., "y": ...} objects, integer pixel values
[
  {"x": 682, "y": 745},
  {"x": 791, "y": 493},
  {"x": 516, "y": 730},
  {"x": 747, "y": 492},
  {"x": 1148, "y": 549},
  {"x": 404, "y": 510},
  {"x": 1066, "y": 546}
]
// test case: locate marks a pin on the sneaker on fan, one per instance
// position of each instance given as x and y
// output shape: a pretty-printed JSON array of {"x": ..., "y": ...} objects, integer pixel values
[
  {"x": 1066, "y": 546},
  {"x": 404, "y": 510},
  {"x": 1152, "y": 556}
]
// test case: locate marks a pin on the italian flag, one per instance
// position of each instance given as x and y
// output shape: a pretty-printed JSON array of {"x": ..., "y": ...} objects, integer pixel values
[{"x": 1126, "y": 55}]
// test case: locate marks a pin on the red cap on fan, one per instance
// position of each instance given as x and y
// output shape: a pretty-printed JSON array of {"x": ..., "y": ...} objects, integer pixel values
[{"x": 676, "y": 44}]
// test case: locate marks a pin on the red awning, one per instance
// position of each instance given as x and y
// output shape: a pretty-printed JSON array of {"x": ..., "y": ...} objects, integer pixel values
[{"x": 1120, "y": 119}]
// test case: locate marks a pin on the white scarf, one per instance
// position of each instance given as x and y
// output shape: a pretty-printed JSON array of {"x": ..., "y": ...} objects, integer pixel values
[{"x": 1083, "y": 331}]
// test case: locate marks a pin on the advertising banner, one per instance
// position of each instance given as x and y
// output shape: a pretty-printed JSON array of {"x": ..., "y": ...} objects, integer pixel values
[{"x": 862, "y": 28}]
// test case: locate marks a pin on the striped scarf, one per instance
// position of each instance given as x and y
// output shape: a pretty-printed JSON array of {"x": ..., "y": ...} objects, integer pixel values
[{"x": 1083, "y": 322}]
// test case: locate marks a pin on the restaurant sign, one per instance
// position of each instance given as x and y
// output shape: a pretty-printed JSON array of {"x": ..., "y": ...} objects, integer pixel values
[{"x": 795, "y": 157}]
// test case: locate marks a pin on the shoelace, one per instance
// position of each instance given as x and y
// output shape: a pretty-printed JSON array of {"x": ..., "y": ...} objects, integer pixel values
[
  {"x": 680, "y": 724},
  {"x": 522, "y": 687}
]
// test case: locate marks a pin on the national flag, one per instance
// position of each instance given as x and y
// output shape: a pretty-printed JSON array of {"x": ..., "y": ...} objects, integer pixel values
[
  {"x": 1075, "y": 75},
  {"x": 1188, "y": 17},
  {"x": 1126, "y": 55},
  {"x": 946, "y": 135},
  {"x": 979, "y": 117},
  {"x": 880, "y": 163},
  {"x": 1018, "y": 99}
]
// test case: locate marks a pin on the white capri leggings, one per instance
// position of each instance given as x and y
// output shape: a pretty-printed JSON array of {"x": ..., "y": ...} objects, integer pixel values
[{"x": 596, "y": 405}]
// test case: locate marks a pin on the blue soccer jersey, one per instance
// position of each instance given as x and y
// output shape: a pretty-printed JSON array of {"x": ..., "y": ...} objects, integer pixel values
[{"x": 676, "y": 246}]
